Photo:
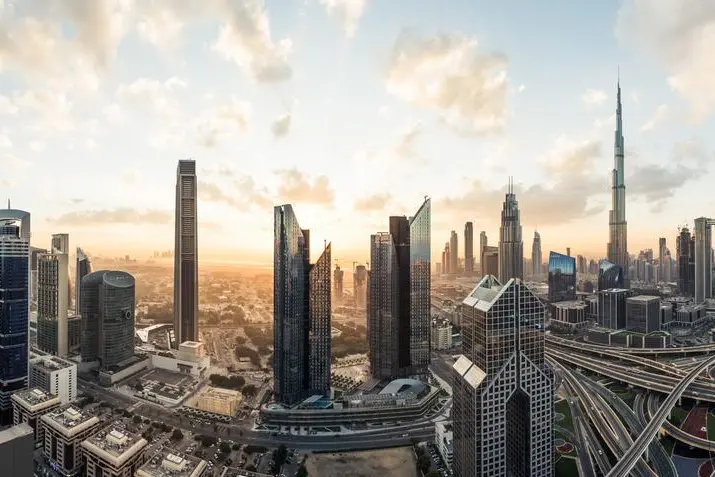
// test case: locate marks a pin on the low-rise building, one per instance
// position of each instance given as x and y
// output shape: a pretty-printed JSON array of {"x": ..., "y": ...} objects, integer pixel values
[
  {"x": 65, "y": 429},
  {"x": 113, "y": 453},
  {"x": 171, "y": 463},
  {"x": 54, "y": 375},
  {"x": 29, "y": 405},
  {"x": 17, "y": 444},
  {"x": 569, "y": 313},
  {"x": 443, "y": 441},
  {"x": 225, "y": 402}
]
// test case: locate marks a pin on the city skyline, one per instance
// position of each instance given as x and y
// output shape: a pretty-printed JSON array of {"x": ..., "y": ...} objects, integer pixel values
[{"x": 268, "y": 124}]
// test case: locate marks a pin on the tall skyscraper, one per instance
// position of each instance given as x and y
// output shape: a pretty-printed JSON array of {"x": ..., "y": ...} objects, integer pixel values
[
  {"x": 703, "y": 259},
  {"x": 661, "y": 257},
  {"x": 107, "y": 309},
  {"x": 685, "y": 250},
  {"x": 82, "y": 269},
  {"x": 360, "y": 278},
  {"x": 468, "y": 248},
  {"x": 502, "y": 411},
  {"x": 186, "y": 270},
  {"x": 399, "y": 313},
  {"x": 453, "y": 253},
  {"x": 511, "y": 248},
  {"x": 483, "y": 242},
  {"x": 34, "y": 254},
  {"x": 562, "y": 277},
  {"x": 338, "y": 279},
  {"x": 53, "y": 296},
  {"x": 618, "y": 227},
  {"x": 445, "y": 259},
  {"x": 536, "y": 255},
  {"x": 14, "y": 305},
  {"x": 301, "y": 312}
]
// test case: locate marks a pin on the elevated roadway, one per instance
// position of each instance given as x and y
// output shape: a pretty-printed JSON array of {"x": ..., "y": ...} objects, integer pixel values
[
  {"x": 676, "y": 432},
  {"x": 680, "y": 351}
]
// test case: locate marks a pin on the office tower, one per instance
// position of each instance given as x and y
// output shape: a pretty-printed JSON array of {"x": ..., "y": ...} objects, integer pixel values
[
  {"x": 483, "y": 242},
  {"x": 338, "y": 279},
  {"x": 438, "y": 268},
  {"x": 562, "y": 277},
  {"x": 446, "y": 259},
  {"x": 34, "y": 258},
  {"x": 612, "y": 308},
  {"x": 399, "y": 314},
  {"x": 581, "y": 266},
  {"x": 568, "y": 251},
  {"x": 490, "y": 260},
  {"x": 360, "y": 277},
  {"x": 703, "y": 259},
  {"x": 65, "y": 429},
  {"x": 618, "y": 227},
  {"x": 301, "y": 312},
  {"x": 453, "y": 253},
  {"x": 114, "y": 452},
  {"x": 29, "y": 405},
  {"x": 610, "y": 276},
  {"x": 83, "y": 268},
  {"x": 186, "y": 271},
  {"x": 502, "y": 411},
  {"x": 685, "y": 249},
  {"x": 661, "y": 256},
  {"x": 468, "y": 248},
  {"x": 53, "y": 297},
  {"x": 643, "y": 314},
  {"x": 536, "y": 255},
  {"x": 667, "y": 267},
  {"x": 511, "y": 248},
  {"x": 14, "y": 304},
  {"x": 17, "y": 445},
  {"x": 107, "y": 311},
  {"x": 55, "y": 375}
]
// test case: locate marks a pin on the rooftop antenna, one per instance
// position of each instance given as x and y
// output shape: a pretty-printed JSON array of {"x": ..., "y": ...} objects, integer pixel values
[{"x": 8, "y": 203}]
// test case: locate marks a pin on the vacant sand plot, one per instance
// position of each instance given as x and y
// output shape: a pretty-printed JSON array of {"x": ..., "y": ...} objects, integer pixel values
[{"x": 395, "y": 462}]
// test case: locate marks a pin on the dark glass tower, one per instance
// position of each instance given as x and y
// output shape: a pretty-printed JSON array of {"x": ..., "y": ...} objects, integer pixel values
[
  {"x": 468, "y": 248},
  {"x": 14, "y": 305},
  {"x": 511, "y": 247},
  {"x": 685, "y": 246},
  {"x": 186, "y": 270},
  {"x": 610, "y": 276},
  {"x": 301, "y": 312},
  {"x": 82, "y": 269},
  {"x": 107, "y": 310},
  {"x": 502, "y": 389},
  {"x": 562, "y": 277}
]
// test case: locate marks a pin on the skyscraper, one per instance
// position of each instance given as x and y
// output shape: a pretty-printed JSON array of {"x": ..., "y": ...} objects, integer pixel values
[
  {"x": 107, "y": 309},
  {"x": 53, "y": 297},
  {"x": 14, "y": 305},
  {"x": 536, "y": 255},
  {"x": 483, "y": 242},
  {"x": 445, "y": 259},
  {"x": 301, "y": 312},
  {"x": 503, "y": 398},
  {"x": 610, "y": 275},
  {"x": 562, "y": 277},
  {"x": 703, "y": 259},
  {"x": 685, "y": 250},
  {"x": 34, "y": 254},
  {"x": 399, "y": 313},
  {"x": 618, "y": 227},
  {"x": 186, "y": 271},
  {"x": 360, "y": 277},
  {"x": 82, "y": 269},
  {"x": 453, "y": 253},
  {"x": 338, "y": 279},
  {"x": 511, "y": 248},
  {"x": 661, "y": 258},
  {"x": 468, "y": 248}
]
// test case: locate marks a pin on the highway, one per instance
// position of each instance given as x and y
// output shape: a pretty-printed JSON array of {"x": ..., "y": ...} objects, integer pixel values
[
  {"x": 676, "y": 432},
  {"x": 700, "y": 349},
  {"x": 633, "y": 455}
]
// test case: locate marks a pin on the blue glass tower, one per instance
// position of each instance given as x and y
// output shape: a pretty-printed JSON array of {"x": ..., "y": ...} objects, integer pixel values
[
  {"x": 562, "y": 277},
  {"x": 610, "y": 275},
  {"x": 14, "y": 305}
]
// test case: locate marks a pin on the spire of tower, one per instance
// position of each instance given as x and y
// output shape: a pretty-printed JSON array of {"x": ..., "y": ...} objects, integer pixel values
[{"x": 8, "y": 203}]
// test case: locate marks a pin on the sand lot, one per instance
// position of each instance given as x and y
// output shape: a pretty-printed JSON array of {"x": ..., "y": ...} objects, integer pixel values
[{"x": 395, "y": 462}]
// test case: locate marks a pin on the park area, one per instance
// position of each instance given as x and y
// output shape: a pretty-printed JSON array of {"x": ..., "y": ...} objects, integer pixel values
[{"x": 394, "y": 462}]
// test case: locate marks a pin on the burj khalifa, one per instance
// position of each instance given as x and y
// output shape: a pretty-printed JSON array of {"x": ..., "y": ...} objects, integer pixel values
[{"x": 618, "y": 227}]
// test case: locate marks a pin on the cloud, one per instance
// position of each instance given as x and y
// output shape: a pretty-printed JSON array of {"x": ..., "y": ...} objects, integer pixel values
[
  {"x": 296, "y": 187},
  {"x": 521, "y": 88},
  {"x": 679, "y": 34},
  {"x": 7, "y": 106},
  {"x": 248, "y": 194},
  {"x": 219, "y": 122},
  {"x": 281, "y": 125},
  {"x": 7, "y": 183},
  {"x": 245, "y": 39},
  {"x": 5, "y": 142},
  {"x": 143, "y": 92},
  {"x": 53, "y": 108},
  {"x": 372, "y": 202},
  {"x": 660, "y": 116},
  {"x": 349, "y": 12},
  {"x": 594, "y": 97},
  {"x": 14, "y": 162},
  {"x": 450, "y": 74},
  {"x": 405, "y": 147},
  {"x": 131, "y": 176},
  {"x": 122, "y": 215}
]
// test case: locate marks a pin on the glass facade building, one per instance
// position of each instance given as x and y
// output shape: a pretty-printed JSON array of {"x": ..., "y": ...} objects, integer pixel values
[
  {"x": 107, "y": 309},
  {"x": 186, "y": 268},
  {"x": 420, "y": 282},
  {"x": 562, "y": 277},
  {"x": 14, "y": 305},
  {"x": 301, "y": 312},
  {"x": 610, "y": 276},
  {"x": 82, "y": 269},
  {"x": 383, "y": 308},
  {"x": 503, "y": 407}
]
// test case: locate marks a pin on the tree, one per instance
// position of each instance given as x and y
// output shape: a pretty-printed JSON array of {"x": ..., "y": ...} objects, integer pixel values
[
  {"x": 235, "y": 447},
  {"x": 137, "y": 419},
  {"x": 249, "y": 390},
  {"x": 423, "y": 463},
  {"x": 225, "y": 447},
  {"x": 177, "y": 435},
  {"x": 433, "y": 473},
  {"x": 302, "y": 471}
]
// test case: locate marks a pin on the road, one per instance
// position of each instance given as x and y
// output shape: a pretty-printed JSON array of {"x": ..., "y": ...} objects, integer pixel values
[{"x": 683, "y": 351}]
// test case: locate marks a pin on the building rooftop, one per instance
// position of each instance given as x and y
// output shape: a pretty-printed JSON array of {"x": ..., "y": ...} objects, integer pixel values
[
  {"x": 643, "y": 298},
  {"x": 69, "y": 420},
  {"x": 115, "y": 445},
  {"x": 51, "y": 363},
  {"x": 35, "y": 398},
  {"x": 15, "y": 432},
  {"x": 171, "y": 463},
  {"x": 615, "y": 290},
  {"x": 220, "y": 393},
  {"x": 572, "y": 304}
]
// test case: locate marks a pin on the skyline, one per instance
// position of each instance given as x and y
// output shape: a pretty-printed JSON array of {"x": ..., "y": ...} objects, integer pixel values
[{"x": 395, "y": 99}]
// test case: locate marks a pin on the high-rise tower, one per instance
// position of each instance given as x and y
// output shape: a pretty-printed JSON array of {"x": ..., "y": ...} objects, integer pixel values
[
  {"x": 483, "y": 242},
  {"x": 536, "y": 255},
  {"x": 661, "y": 258},
  {"x": 53, "y": 297},
  {"x": 468, "y": 248},
  {"x": 82, "y": 269},
  {"x": 186, "y": 270},
  {"x": 618, "y": 228},
  {"x": 453, "y": 253},
  {"x": 511, "y": 248}
]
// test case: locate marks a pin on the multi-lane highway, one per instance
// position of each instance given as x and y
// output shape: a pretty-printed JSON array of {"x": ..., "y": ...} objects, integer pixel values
[{"x": 681, "y": 351}]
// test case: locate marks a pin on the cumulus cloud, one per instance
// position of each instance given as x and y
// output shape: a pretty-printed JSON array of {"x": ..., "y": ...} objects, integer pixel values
[
  {"x": 281, "y": 125},
  {"x": 659, "y": 116},
  {"x": 247, "y": 194},
  {"x": 122, "y": 215},
  {"x": 143, "y": 92},
  {"x": 680, "y": 35},
  {"x": 405, "y": 146},
  {"x": 348, "y": 11},
  {"x": 5, "y": 142},
  {"x": 594, "y": 97},
  {"x": 450, "y": 74},
  {"x": 218, "y": 122},
  {"x": 297, "y": 187},
  {"x": 372, "y": 202}
]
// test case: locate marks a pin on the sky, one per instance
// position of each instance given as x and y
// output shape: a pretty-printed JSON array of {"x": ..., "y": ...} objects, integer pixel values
[{"x": 354, "y": 110}]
